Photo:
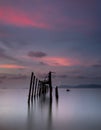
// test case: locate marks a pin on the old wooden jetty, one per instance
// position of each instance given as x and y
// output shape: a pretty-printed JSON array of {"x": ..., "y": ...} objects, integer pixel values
[{"x": 40, "y": 87}]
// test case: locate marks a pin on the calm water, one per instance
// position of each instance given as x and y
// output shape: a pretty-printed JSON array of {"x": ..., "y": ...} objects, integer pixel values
[{"x": 79, "y": 109}]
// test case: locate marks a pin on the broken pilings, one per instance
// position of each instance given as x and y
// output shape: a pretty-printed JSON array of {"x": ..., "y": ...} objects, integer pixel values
[{"x": 29, "y": 96}]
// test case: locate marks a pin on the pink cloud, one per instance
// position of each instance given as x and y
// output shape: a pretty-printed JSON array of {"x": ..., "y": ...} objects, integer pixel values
[
  {"x": 11, "y": 66},
  {"x": 9, "y": 15},
  {"x": 54, "y": 61},
  {"x": 43, "y": 17},
  {"x": 59, "y": 61}
]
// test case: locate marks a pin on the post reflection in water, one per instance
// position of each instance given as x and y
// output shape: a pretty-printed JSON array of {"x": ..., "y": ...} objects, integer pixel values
[
  {"x": 40, "y": 113},
  {"x": 79, "y": 109},
  {"x": 29, "y": 118},
  {"x": 49, "y": 123},
  {"x": 56, "y": 96}
]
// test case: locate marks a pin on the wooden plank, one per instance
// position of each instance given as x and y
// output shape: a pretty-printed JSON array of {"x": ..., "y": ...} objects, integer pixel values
[{"x": 29, "y": 96}]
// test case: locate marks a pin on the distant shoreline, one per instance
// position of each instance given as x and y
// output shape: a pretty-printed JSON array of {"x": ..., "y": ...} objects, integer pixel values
[{"x": 81, "y": 86}]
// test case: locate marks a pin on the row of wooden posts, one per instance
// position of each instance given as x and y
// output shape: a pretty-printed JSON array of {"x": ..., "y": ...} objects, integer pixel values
[{"x": 38, "y": 87}]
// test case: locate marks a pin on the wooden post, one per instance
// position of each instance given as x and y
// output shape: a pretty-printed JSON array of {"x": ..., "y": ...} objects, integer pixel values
[
  {"x": 50, "y": 83},
  {"x": 40, "y": 90},
  {"x": 29, "y": 96},
  {"x": 45, "y": 89},
  {"x": 33, "y": 89},
  {"x": 38, "y": 87}
]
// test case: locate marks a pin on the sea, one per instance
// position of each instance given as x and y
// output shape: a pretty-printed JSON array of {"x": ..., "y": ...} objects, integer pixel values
[{"x": 77, "y": 109}]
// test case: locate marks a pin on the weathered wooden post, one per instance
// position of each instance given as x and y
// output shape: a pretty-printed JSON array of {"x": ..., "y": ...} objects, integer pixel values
[
  {"x": 50, "y": 83},
  {"x": 38, "y": 87},
  {"x": 33, "y": 89},
  {"x": 40, "y": 90},
  {"x": 29, "y": 96},
  {"x": 56, "y": 95},
  {"x": 45, "y": 89}
]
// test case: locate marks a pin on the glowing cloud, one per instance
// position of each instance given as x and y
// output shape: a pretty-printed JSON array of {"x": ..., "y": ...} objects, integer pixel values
[
  {"x": 54, "y": 61},
  {"x": 9, "y": 15},
  {"x": 11, "y": 66},
  {"x": 40, "y": 18},
  {"x": 58, "y": 61}
]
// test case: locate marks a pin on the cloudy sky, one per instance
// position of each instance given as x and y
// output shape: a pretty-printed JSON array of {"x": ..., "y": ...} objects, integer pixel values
[{"x": 58, "y": 35}]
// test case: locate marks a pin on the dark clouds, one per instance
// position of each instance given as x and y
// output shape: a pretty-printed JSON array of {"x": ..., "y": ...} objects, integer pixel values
[
  {"x": 37, "y": 54},
  {"x": 42, "y": 63},
  {"x": 97, "y": 66}
]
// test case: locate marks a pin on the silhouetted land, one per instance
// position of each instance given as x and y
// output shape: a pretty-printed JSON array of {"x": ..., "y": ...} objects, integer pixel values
[{"x": 81, "y": 86}]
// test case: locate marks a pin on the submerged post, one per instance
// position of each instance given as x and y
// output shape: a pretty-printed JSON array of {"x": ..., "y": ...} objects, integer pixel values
[
  {"x": 40, "y": 89},
  {"x": 50, "y": 83},
  {"x": 33, "y": 89},
  {"x": 56, "y": 95},
  {"x": 37, "y": 87},
  {"x": 29, "y": 96},
  {"x": 56, "y": 92}
]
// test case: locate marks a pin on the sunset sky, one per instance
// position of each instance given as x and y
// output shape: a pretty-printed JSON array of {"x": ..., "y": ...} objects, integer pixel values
[{"x": 62, "y": 36}]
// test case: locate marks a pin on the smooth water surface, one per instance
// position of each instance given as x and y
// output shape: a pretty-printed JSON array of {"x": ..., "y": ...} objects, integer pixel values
[{"x": 78, "y": 109}]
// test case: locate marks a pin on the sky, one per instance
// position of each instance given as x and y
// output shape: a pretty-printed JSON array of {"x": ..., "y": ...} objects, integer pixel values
[{"x": 62, "y": 36}]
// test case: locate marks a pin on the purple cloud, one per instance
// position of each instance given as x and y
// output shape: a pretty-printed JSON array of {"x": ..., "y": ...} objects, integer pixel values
[
  {"x": 97, "y": 66},
  {"x": 37, "y": 54}
]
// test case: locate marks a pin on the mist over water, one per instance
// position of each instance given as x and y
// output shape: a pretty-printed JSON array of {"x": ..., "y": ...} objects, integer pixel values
[{"x": 78, "y": 109}]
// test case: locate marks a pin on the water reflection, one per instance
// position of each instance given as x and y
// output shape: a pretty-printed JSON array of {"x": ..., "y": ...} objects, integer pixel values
[
  {"x": 50, "y": 114},
  {"x": 40, "y": 111},
  {"x": 30, "y": 111},
  {"x": 80, "y": 109}
]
